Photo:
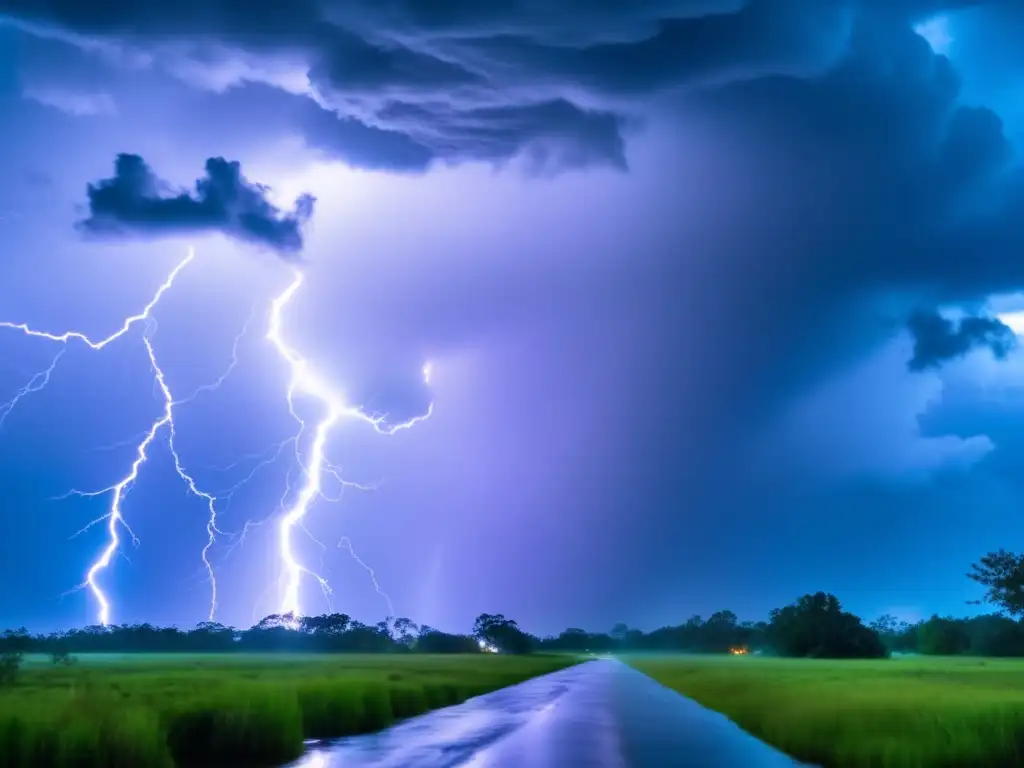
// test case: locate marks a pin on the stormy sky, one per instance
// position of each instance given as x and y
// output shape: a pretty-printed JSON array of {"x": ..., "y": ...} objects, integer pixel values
[{"x": 721, "y": 300}]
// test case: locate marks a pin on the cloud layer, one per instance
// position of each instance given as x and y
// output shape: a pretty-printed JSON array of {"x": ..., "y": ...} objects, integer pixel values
[
  {"x": 412, "y": 82},
  {"x": 846, "y": 163},
  {"x": 134, "y": 201}
]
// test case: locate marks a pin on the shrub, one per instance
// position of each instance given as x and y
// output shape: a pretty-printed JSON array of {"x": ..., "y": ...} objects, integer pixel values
[
  {"x": 61, "y": 658},
  {"x": 10, "y": 667}
]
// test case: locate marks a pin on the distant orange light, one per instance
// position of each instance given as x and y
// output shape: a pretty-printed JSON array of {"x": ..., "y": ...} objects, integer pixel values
[{"x": 738, "y": 651}]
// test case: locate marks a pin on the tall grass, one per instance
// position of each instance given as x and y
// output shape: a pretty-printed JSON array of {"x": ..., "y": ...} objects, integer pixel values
[
  {"x": 168, "y": 711},
  {"x": 896, "y": 713}
]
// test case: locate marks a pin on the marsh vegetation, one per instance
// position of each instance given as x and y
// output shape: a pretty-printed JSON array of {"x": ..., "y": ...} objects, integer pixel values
[
  {"x": 161, "y": 711},
  {"x": 950, "y": 712}
]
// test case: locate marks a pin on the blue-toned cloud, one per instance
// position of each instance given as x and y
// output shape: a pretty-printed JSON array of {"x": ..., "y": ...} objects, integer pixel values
[
  {"x": 457, "y": 82},
  {"x": 800, "y": 176},
  {"x": 74, "y": 103},
  {"x": 134, "y": 201},
  {"x": 845, "y": 161},
  {"x": 865, "y": 423},
  {"x": 938, "y": 339}
]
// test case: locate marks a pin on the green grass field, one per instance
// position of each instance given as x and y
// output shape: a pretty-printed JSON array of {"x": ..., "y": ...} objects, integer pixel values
[
  {"x": 158, "y": 711},
  {"x": 940, "y": 712}
]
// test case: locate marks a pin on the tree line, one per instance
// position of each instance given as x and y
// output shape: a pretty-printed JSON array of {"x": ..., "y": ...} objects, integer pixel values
[
  {"x": 815, "y": 625},
  {"x": 337, "y": 632}
]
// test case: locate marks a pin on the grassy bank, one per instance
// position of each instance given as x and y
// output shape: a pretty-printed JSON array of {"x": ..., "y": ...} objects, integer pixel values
[
  {"x": 162, "y": 711},
  {"x": 940, "y": 712}
]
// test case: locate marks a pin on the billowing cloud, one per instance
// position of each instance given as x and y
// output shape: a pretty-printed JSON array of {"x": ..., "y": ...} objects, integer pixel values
[
  {"x": 418, "y": 135},
  {"x": 938, "y": 339},
  {"x": 801, "y": 175},
  {"x": 134, "y": 201},
  {"x": 839, "y": 160},
  {"x": 557, "y": 82}
]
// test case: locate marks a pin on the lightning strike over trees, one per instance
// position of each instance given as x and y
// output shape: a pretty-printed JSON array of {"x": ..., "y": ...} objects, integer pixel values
[{"x": 303, "y": 381}]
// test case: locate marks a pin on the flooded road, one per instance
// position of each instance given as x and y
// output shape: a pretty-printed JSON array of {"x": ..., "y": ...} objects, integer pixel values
[{"x": 600, "y": 714}]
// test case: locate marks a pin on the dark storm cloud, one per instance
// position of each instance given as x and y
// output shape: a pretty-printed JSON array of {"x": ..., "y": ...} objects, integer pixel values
[
  {"x": 136, "y": 202},
  {"x": 840, "y": 152},
  {"x": 460, "y": 81},
  {"x": 355, "y": 143},
  {"x": 573, "y": 138},
  {"x": 938, "y": 339},
  {"x": 828, "y": 193}
]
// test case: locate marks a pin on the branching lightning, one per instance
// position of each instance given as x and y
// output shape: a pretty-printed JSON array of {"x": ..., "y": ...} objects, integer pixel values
[
  {"x": 114, "y": 517},
  {"x": 35, "y": 384},
  {"x": 306, "y": 382},
  {"x": 129, "y": 322},
  {"x": 346, "y": 543},
  {"x": 313, "y": 465},
  {"x": 41, "y": 379}
]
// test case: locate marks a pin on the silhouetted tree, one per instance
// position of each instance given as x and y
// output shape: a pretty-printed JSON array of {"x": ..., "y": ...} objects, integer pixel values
[
  {"x": 994, "y": 635},
  {"x": 10, "y": 667},
  {"x": 1002, "y": 575},
  {"x": 572, "y": 640},
  {"x": 13, "y": 646},
  {"x": 898, "y": 636},
  {"x": 619, "y": 633},
  {"x": 943, "y": 637},
  {"x": 816, "y": 626},
  {"x": 719, "y": 633},
  {"x": 405, "y": 632},
  {"x": 504, "y": 634},
  {"x": 15, "y": 641},
  {"x": 431, "y": 640}
]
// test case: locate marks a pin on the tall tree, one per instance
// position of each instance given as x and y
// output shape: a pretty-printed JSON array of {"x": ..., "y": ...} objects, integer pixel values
[
  {"x": 405, "y": 631},
  {"x": 817, "y": 626},
  {"x": 1002, "y": 575},
  {"x": 504, "y": 634}
]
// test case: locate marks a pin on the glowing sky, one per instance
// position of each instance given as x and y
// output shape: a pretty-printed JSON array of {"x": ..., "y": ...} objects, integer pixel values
[{"x": 708, "y": 289}]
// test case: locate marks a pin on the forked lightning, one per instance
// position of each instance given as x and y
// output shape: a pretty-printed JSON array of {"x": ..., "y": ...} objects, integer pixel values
[
  {"x": 305, "y": 381},
  {"x": 302, "y": 381}
]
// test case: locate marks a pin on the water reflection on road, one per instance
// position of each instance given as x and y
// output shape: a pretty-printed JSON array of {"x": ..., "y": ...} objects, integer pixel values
[{"x": 601, "y": 714}]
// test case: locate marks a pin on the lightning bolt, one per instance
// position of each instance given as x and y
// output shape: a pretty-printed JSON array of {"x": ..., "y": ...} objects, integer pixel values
[
  {"x": 346, "y": 542},
  {"x": 114, "y": 517},
  {"x": 126, "y": 326},
  {"x": 35, "y": 384},
  {"x": 41, "y": 379},
  {"x": 304, "y": 381},
  {"x": 314, "y": 465}
]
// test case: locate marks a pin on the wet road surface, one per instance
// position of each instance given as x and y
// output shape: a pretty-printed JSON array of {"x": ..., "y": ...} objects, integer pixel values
[{"x": 600, "y": 714}]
